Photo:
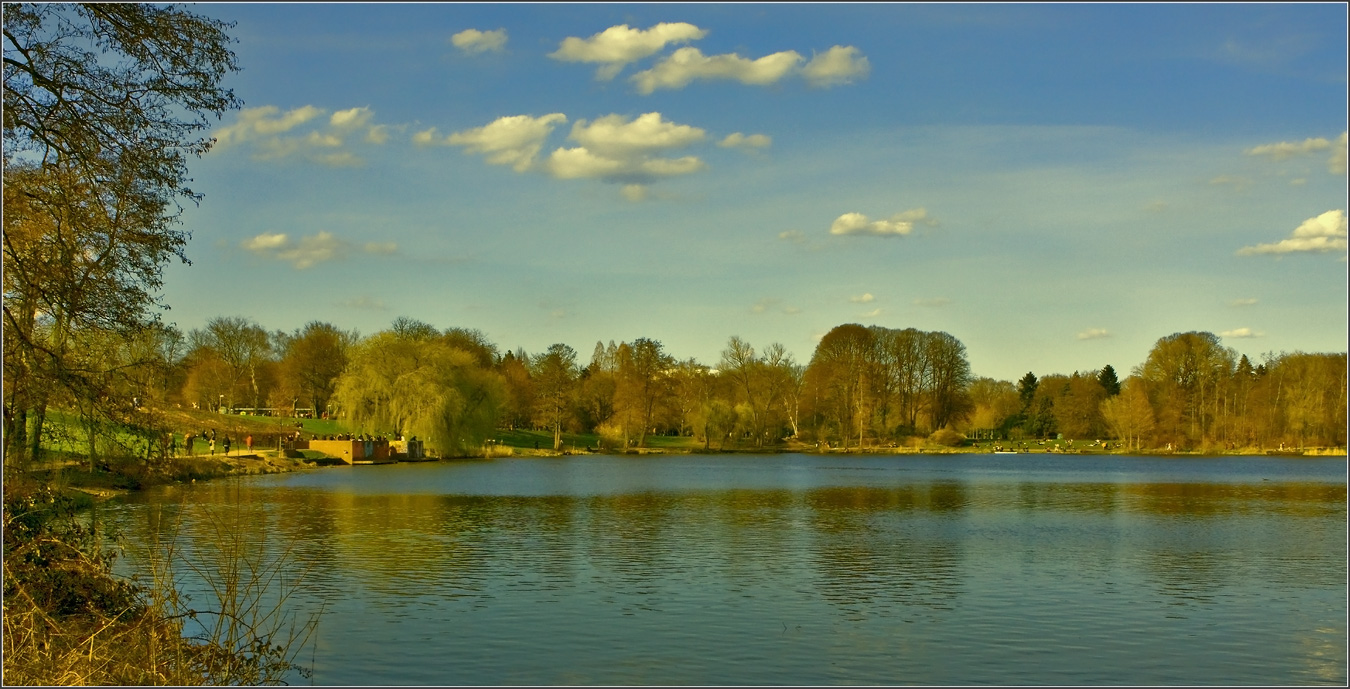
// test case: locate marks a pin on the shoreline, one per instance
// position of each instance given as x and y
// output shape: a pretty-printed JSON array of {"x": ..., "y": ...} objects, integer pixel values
[{"x": 103, "y": 485}]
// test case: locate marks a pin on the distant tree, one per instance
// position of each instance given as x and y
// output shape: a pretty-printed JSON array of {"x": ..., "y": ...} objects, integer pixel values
[
  {"x": 1107, "y": 379},
  {"x": 1129, "y": 414},
  {"x": 518, "y": 409},
  {"x": 1186, "y": 374},
  {"x": 555, "y": 377},
  {"x": 313, "y": 359},
  {"x": 642, "y": 384},
  {"x": 840, "y": 373},
  {"x": 413, "y": 329}
]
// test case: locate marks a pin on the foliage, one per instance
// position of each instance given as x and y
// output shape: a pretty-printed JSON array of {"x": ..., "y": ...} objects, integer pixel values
[
  {"x": 69, "y": 621},
  {"x": 103, "y": 103}
]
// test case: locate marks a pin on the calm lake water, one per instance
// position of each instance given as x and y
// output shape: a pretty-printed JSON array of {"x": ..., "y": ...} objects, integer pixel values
[{"x": 800, "y": 569}]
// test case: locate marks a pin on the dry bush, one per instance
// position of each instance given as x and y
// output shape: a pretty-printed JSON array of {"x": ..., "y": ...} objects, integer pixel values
[{"x": 69, "y": 621}]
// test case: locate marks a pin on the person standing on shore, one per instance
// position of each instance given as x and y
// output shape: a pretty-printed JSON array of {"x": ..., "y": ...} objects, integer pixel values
[
  {"x": 248, "y": 442},
  {"x": 187, "y": 444},
  {"x": 227, "y": 446},
  {"x": 213, "y": 447}
]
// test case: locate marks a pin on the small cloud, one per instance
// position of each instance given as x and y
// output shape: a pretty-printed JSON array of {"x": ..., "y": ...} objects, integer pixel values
[
  {"x": 634, "y": 192},
  {"x": 513, "y": 140},
  {"x": 1240, "y": 333},
  {"x": 378, "y": 134},
  {"x": 252, "y": 123},
  {"x": 1236, "y": 182},
  {"x": 312, "y": 250},
  {"x": 745, "y": 143},
  {"x": 838, "y": 65},
  {"x": 935, "y": 302},
  {"x": 1093, "y": 334},
  {"x": 764, "y": 305},
  {"x": 616, "y": 149},
  {"x": 617, "y": 46},
  {"x": 690, "y": 64},
  {"x": 870, "y": 314},
  {"x": 381, "y": 248},
  {"x": 1326, "y": 232},
  {"x": 267, "y": 131},
  {"x": 351, "y": 118},
  {"x": 365, "y": 303},
  {"x": 1336, "y": 163},
  {"x": 1156, "y": 207},
  {"x": 794, "y": 236},
  {"x": 862, "y": 299},
  {"x": 1289, "y": 149},
  {"x": 1242, "y": 302},
  {"x": 1286, "y": 149},
  {"x": 265, "y": 242},
  {"x": 1298, "y": 181},
  {"x": 473, "y": 41},
  {"x": 770, "y": 304},
  {"x": 897, "y": 225}
]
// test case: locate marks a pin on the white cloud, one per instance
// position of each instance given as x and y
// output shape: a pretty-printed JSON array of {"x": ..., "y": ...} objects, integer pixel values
[
  {"x": 862, "y": 299},
  {"x": 897, "y": 225},
  {"x": 933, "y": 303},
  {"x": 741, "y": 141},
  {"x": 634, "y": 192},
  {"x": 795, "y": 236},
  {"x": 265, "y": 242},
  {"x": 266, "y": 128},
  {"x": 1287, "y": 149},
  {"x": 613, "y": 136},
  {"x": 1326, "y": 232},
  {"x": 618, "y": 150},
  {"x": 1242, "y": 302},
  {"x": 838, "y": 65},
  {"x": 617, "y": 46},
  {"x": 687, "y": 64},
  {"x": 513, "y": 140},
  {"x": 351, "y": 118},
  {"x": 1240, "y": 333},
  {"x": 310, "y": 251},
  {"x": 1093, "y": 334},
  {"x": 473, "y": 41},
  {"x": 378, "y": 134},
  {"x": 870, "y": 314},
  {"x": 1336, "y": 163},
  {"x": 253, "y": 123}
]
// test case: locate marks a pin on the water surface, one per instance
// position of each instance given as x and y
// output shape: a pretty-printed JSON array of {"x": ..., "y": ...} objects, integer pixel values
[{"x": 802, "y": 569}]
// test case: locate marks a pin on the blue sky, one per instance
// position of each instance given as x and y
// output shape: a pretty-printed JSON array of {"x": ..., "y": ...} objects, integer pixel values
[{"x": 1056, "y": 186}]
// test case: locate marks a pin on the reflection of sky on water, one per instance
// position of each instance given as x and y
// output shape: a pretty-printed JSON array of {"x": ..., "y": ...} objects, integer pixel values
[{"x": 816, "y": 569}]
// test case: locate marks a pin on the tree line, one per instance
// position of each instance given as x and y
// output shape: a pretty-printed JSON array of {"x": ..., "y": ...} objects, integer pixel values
[{"x": 862, "y": 386}]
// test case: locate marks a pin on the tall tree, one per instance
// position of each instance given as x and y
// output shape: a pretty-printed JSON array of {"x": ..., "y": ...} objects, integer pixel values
[
  {"x": 103, "y": 104},
  {"x": 313, "y": 359},
  {"x": 555, "y": 376},
  {"x": 1107, "y": 379}
]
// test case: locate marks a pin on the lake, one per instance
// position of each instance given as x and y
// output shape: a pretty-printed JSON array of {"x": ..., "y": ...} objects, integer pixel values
[{"x": 797, "y": 569}]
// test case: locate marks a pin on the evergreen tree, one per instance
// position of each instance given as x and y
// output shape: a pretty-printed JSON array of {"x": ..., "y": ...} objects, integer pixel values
[{"x": 1108, "y": 380}]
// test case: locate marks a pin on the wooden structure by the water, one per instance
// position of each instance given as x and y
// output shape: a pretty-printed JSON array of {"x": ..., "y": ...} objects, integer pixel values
[{"x": 364, "y": 451}]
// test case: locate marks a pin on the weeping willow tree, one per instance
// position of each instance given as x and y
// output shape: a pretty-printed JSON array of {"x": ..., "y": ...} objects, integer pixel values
[{"x": 419, "y": 384}]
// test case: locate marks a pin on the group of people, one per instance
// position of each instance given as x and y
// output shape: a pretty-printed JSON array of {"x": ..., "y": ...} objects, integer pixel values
[{"x": 210, "y": 437}]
